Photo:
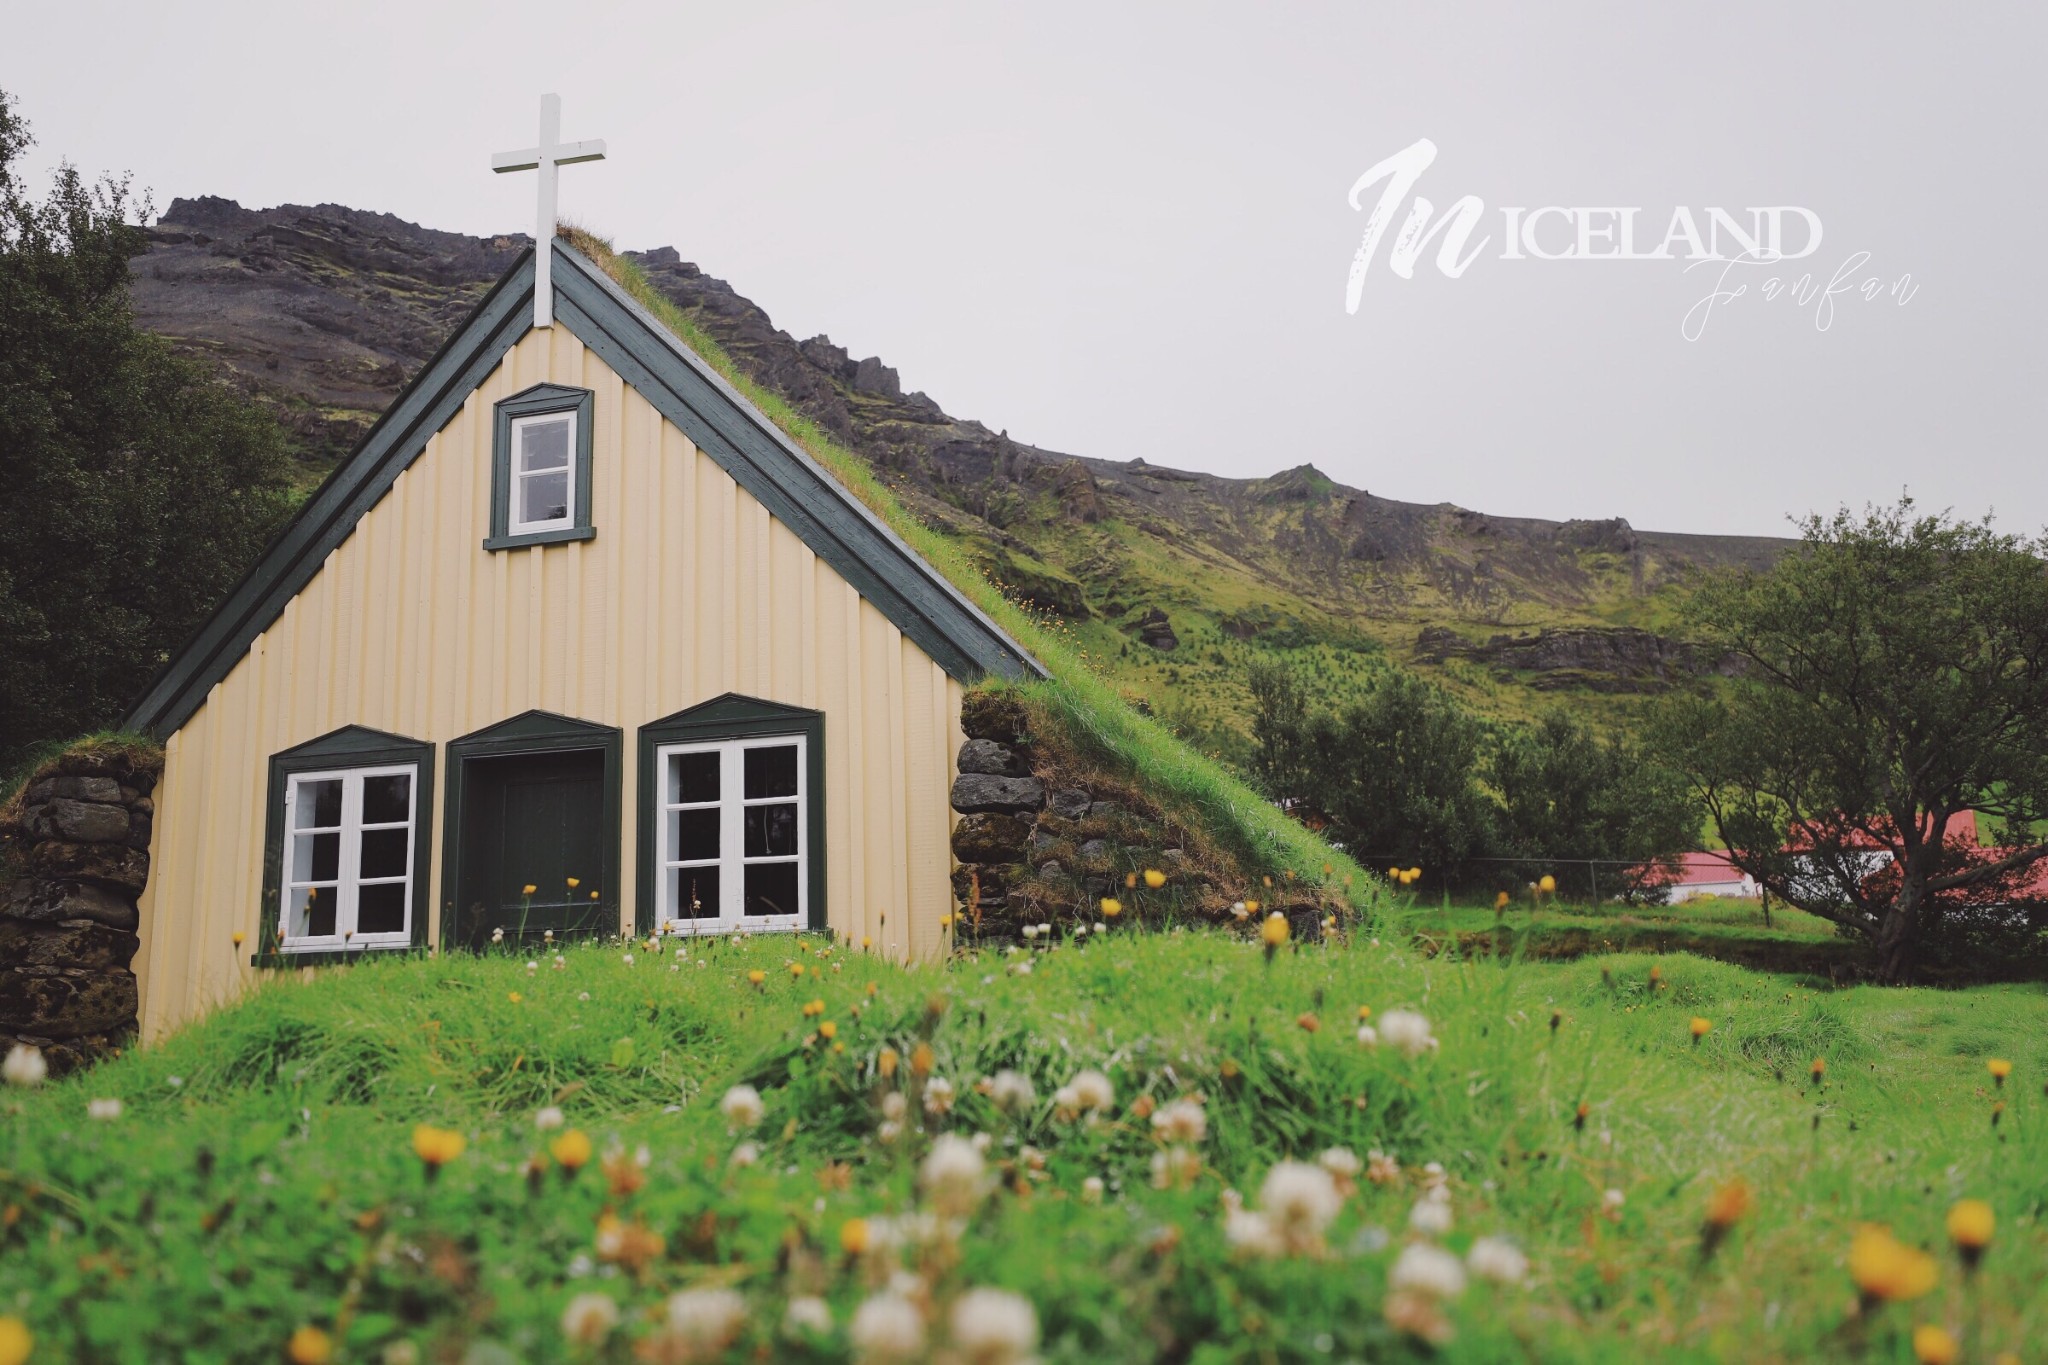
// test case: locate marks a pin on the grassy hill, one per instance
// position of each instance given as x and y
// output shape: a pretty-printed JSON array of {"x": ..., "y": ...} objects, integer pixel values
[
  {"x": 1170, "y": 581},
  {"x": 261, "y": 1176}
]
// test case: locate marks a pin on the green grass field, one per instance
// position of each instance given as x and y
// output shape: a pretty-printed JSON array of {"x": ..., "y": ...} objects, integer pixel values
[{"x": 261, "y": 1177}]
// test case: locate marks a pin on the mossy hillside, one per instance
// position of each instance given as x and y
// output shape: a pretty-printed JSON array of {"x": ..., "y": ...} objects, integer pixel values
[
  {"x": 1085, "y": 702},
  {"x": 261, "y": 1176}
]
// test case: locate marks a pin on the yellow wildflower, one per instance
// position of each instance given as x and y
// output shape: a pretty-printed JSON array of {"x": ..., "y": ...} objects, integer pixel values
[
  {"x": 1154, "y": 878},
  {"x": 757, "y": 976},
  {"x": 437, "y": 1146},
  {"x": 853, "y": 1236},
  {"x": 1275, "y": 930},
  {"x": 1547, "y": 885},
  {"x": 796, "y": 969},
  {"x": 1111, "y": 907},
  {"x": 309, "y": 1346},
  {"x": 571, "y": 1151},
  {"x": 1970, "y": 1225},
  {"x": 885, "y": 1062},
  {"x": 1500, "y": 900},
  {"x": 16, "y": 1341},
  {"x": 1999, "y": 1069},
  {"x": 528, "y": 889},
  {"x": 1885, "y": 1269},
  {"x": 575, "y": 882},
  {"x": 921, "y": 1060},
  {"x": 1701, "y": 1027},
  {"x": 827, "y": 1030},
  {"x": 1933, "y": 1345}
]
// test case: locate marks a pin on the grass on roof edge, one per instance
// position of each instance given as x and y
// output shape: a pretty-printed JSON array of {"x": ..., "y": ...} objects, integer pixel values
[{"x": 1099, "y": 720}]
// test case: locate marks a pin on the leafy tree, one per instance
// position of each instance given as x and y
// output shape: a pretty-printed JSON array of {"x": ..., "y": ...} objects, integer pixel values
[
  {"x": 1564, "y": 792},
  {"x": 1280, "y": 710},
  {"x": 1897, "y": 676},
  {"x": 1394, "y": 774},
  {"x": 137, "y": 487}
]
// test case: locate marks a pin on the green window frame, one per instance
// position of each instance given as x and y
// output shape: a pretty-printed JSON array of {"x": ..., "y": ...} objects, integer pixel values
[
  {"x": 346, "y": 753},
  {"x": 513, "y": 416},
  {"x": 723, "y": 720}
]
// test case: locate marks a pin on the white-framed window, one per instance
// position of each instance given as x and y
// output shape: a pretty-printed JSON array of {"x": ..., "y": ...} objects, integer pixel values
[
  {"x": 733, "y": 842},
  {"x": 543, "y": 486},
  {"x": 348, "y": 858}
]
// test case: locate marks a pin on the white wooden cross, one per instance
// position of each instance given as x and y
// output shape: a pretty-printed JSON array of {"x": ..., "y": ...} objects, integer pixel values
[{"x": 551, "y": 152}]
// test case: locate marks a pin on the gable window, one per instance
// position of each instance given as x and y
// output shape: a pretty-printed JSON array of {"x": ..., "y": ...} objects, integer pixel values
[
  {"x": 540, "y": 468},
  {"x": 345, "y": 851},
  {"x": 732, "y": 818}
]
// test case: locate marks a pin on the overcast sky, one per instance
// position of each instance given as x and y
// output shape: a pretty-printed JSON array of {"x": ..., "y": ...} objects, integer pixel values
[{"x": 1123, "y": 230}]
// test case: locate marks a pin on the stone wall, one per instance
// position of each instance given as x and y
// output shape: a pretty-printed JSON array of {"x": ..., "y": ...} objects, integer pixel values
[{"x": 79, "y": 840}]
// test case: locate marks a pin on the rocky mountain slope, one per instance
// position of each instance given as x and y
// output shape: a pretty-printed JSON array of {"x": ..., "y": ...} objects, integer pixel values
[{"x": 1170, "y": 579}]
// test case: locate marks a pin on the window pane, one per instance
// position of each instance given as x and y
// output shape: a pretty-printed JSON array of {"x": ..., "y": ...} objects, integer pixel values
[
  {"x": 544, "y": 445},
  {"x": 771, "y": 831},
  {"x": 771, "y": 772},
  {"x": 693, "y": 834},
  {"x": 318, "y": 804},
  {"x": 544, "y": 497},
  {"x": 384, "y": 852},
  {"x": 387, "y": 799},
  {"x": 693, "y": 777},
  {"x": 695, "y": 892},
  {"x": 312, "y": 914},
  {"x": 315, "y": 858},
  {"x": 771, "y": 889},
  {"x": 380, "y": 909}
]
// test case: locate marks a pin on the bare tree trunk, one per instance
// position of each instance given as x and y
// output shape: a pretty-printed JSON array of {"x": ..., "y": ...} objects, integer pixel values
[{"x": 1898, "y": 935}]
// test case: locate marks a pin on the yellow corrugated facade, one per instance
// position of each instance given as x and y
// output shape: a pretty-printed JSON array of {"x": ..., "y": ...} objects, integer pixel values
[{"x": 690, "y": 589}]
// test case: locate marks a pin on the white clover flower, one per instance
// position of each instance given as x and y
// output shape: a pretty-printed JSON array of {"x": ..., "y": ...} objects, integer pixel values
[
  {"x": 561, "y": 962},
  {"x": 938, "y": 1095},
  {"x": 1429, "y": 1270},
  {"x": 1434, "y": 1177},
  {"x": 951, "y": 1176},
  {"x": 1611, "y": 1202},
  {"x": 888, "y": 1130},
  {"x": 548, "y": 1119},
  {"x": 746, "y": 1154},
  {"x": 1020, "y": 968},
  {"x": 498, "y": 934},
  {"x": 1300, "y": 1199},
  {"x": 1431, "y": 1215},
  {"x": 24, "y": 1066},
  {"x": 1407, "y": 1032},
  {"x": 1341, "y": 1162},
  {"x": 1497, "y": 1259},
  {"x": 626, "y": 958},
  {"x": 1066, "y": 1102},
  {"x": 1175, "y": 1167},
  {"x": 1181, "y": 1121},
  {"x": 1091, "y": 1190},
  {"x": 1012, "y": 1091},
  {"x": 532, "y": 967},
  {"x": 705, "y": 1321},
  {"x": 887, "y": 1329},
  {"x": 994, "y": 1327},
  {"x": 589, "y": 1319},
  {"x": 894, "y": 1106},
  {"x": 1248, "y": 1232},
  {"x": 105, "y": 1110},
  {"x": 807, "y": 1313},
  {"x": 1030, "y": 931},
  {"x": 1381, "y": 1168},
  {"x": 742, "y": 1108},
  {"x": 1092, "y": 1090},
  {"x": 1368, "y": 1036},
  {"x": 982, "y": 1142}
]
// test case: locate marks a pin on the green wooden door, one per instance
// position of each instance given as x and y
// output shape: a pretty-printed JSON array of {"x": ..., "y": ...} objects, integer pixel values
[{"x": 537, "y": 820}]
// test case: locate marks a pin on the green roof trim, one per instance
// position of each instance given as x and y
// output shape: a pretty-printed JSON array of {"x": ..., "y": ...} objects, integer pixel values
[{"x": 722, "y": 423}]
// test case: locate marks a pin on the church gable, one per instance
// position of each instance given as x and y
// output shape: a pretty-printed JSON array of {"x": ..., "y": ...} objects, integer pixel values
[{"x": 686, "y": 392}]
